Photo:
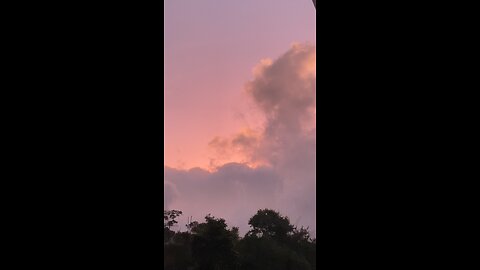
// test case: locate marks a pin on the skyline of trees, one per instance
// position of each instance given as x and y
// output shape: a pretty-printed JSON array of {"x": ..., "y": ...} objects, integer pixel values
[{"x": 271, "y": 243}]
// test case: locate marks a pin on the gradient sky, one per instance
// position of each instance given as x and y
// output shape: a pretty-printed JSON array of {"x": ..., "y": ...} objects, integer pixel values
[
  {"x": 211, "y": 47},
  {"x": 240, "y": 87}
]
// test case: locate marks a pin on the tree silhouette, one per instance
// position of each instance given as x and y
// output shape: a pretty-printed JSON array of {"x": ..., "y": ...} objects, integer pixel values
[
  {"x": 169, "y": 217},
  {"x": 270, "y": 223},
  {"x": 168, "y": 221},
  {"x": 272, "y": 243},
  {"x": 213, "y": 243}
]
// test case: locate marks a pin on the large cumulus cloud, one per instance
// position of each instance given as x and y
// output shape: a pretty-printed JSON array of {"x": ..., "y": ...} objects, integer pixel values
[{"x": 277, "y": 165}]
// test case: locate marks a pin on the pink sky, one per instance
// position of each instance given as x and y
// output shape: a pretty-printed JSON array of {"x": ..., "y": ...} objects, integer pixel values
[
  {"x": 211, "y": 48},
  {"x": 240, "y": 103}
]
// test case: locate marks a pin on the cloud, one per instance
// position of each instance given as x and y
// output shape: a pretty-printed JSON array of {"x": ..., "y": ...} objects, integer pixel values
[
  {"x": 275, "y": 164},
  {"x": 285, "y": 92},
  {"x": 234, "y": 192},
  {"x": 169, "y": 194}
]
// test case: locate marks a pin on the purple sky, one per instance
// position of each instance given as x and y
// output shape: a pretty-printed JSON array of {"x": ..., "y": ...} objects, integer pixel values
[{"x": 240, "y": 104}]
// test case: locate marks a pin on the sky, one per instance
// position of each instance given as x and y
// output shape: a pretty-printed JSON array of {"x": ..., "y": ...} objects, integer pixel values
[{"x": 239, "y": 94}]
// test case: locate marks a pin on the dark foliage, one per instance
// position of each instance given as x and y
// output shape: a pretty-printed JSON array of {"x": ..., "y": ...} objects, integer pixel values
[{"x": 271, "y": 244}]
